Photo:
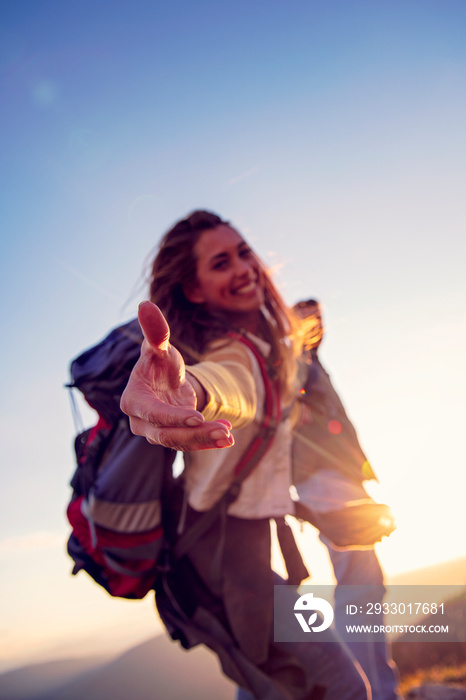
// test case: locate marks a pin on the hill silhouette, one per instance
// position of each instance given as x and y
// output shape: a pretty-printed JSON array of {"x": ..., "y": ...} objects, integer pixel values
[
  {"x": 448, "y": 573},
  {"x": 30, "y": 681},
  {"x": 159, "y": 668},
  {"x": 156, "y": 668},
  {"x": 411, "y": 656}
]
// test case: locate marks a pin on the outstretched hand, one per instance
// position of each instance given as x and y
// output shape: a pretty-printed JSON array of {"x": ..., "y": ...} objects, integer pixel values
[{"x": 160, "y": 400}]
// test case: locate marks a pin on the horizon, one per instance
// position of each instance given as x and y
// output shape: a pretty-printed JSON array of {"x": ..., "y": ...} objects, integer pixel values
[
  {"x": 332, "y": 136},
  {"x": 109, "y": 648}
]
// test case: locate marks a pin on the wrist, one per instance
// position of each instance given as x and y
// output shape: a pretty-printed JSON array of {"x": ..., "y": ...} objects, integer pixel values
[{"x": 201, "y": 396}]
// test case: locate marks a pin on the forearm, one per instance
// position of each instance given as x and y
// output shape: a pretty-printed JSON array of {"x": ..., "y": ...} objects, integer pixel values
[
  {"x": 225, "y": 387},
  {"x": 201, "y": 395}
]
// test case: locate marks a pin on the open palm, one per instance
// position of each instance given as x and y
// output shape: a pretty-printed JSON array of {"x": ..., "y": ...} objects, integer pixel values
[{"x": 159, "y": 398}]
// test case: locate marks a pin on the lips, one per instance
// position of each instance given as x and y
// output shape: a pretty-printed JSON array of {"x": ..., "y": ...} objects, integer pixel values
[{"x": 246, "y": 289}]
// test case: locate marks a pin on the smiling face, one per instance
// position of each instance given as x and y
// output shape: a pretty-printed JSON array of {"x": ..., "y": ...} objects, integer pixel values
[{"x": 229, "y": 278}]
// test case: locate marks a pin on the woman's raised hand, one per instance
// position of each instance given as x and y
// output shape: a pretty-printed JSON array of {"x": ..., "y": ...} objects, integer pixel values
[{"x": 160, "y": 400}]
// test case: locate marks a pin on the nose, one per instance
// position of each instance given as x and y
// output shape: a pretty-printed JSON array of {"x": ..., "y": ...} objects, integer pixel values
[{"x": 243, "y": 267}]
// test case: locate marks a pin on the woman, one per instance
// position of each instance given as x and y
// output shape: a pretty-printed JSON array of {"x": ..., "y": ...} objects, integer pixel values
[{"x": 208, "y": 283}]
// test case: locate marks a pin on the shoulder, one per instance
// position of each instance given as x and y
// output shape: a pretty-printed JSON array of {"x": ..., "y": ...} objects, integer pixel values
[{"x": 232, "y": 351}]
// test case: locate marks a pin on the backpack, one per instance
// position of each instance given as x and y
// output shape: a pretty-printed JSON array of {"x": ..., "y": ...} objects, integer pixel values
[
  {"x": 124, "y": 495},
  {"x": 319, "y": 451}
]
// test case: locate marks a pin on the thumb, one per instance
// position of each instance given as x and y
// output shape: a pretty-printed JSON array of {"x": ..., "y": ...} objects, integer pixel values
[{"x": 154, "y": 326}]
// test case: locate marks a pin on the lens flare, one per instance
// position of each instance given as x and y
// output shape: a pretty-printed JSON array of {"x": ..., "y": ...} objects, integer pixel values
[{"x": 334, "y": 427}]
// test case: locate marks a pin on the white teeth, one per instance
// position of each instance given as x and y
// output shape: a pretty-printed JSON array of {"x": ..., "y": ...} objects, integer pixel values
[{"x": 246, "y": 289}]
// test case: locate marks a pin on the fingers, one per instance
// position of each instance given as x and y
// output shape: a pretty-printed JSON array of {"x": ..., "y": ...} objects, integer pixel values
[
  {"x": 157, "y": 348},
  {"x": 154, "y": 326},
  {"x": 158, "y": 400},
  {"x": 139, "y": 402},
  {"x": 211, "y": 435},
  {"x": 172, "y": 426}
]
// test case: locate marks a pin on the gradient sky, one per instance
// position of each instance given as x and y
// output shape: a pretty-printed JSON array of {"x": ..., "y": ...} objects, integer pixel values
[{"x": 332, "y": 134}]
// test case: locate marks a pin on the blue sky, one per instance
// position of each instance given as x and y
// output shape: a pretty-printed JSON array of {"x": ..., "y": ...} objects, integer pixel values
[{"x": 330, "y": 133}]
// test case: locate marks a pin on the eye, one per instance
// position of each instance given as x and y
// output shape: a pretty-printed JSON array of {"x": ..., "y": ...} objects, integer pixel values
[
  {"x": 245, "y": 252},
  {"x": 220, "y": 265}
]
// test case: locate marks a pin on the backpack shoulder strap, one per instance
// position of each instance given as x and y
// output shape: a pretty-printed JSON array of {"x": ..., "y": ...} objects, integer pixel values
[{"x": 272, "y": 414}]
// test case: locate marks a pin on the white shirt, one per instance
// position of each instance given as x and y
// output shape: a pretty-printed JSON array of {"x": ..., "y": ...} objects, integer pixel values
[{"x": 231, "y": 377}]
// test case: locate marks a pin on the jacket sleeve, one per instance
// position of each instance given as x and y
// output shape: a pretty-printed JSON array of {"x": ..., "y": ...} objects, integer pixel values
[{"x": 226, "y": 374}]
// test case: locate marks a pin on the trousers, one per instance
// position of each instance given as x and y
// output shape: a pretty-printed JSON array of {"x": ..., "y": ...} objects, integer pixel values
[
  {"x": 355, "y": 567},
  {"x": 327, "y": 662}
]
